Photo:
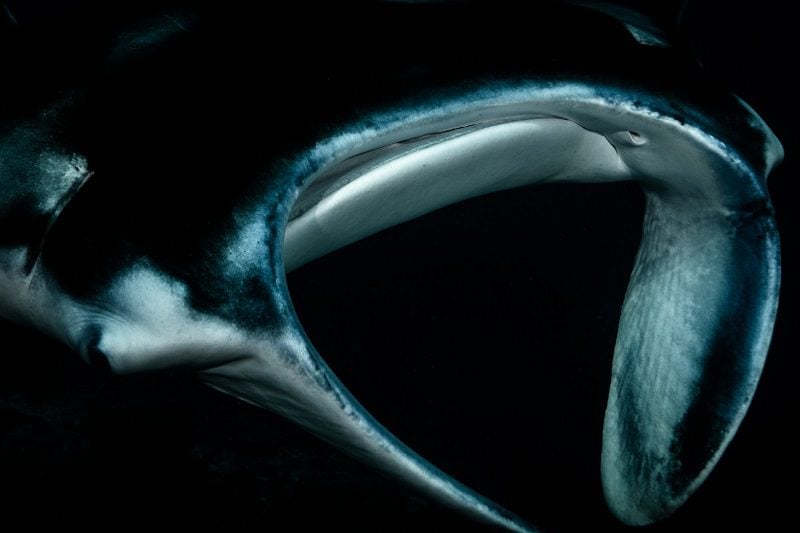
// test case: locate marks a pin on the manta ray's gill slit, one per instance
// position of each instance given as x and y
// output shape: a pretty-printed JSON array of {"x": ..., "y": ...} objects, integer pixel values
[
  {"x": 491, "y": 308},
  {"x": 385, "y": 186}
]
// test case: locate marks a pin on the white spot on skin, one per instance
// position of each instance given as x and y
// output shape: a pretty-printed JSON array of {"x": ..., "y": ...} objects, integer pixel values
[
  {"x": 60, "y": 173},
  {"x": 146, "y": 323},
  {"x": 35, "y": 171},
  {"x": 247, "y": 248}
]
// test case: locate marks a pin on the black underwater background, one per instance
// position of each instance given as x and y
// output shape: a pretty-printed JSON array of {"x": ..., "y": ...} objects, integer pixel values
[{"x": 481, "y": 335}]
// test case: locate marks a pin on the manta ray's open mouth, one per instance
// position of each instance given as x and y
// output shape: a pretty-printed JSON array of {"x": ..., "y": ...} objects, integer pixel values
[{"x": 701, "y": 301}]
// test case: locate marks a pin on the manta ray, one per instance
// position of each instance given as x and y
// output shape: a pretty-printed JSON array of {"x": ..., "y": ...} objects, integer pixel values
[{"x": 163, "y": 165}]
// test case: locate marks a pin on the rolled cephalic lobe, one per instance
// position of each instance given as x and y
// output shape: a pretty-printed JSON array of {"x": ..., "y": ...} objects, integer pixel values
[{"x": 156, "y": 241}]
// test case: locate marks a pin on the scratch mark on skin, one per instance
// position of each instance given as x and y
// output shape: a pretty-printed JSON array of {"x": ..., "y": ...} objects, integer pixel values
[{"x": 9, "y": 14}]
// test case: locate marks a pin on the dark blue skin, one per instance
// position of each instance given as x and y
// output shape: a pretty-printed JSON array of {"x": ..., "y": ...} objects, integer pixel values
[
  {"x": 194, "y": 121},
  {"x": 166, "y": 75}
]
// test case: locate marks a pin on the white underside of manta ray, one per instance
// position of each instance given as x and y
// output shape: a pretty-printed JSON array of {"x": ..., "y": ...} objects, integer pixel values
[{"x": 694, "y": 329}]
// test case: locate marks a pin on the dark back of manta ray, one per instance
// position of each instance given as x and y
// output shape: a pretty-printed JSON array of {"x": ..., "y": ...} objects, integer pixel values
[
  {"x": 187, "y": 113},
  {"x": 183, "y": 128}
]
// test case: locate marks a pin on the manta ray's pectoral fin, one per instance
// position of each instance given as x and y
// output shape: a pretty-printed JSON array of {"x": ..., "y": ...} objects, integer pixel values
[
  {"x": 287, "y": 376},
  {"x": 692, "y": 342}
]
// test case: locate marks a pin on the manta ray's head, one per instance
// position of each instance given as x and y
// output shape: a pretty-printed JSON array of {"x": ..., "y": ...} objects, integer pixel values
[{"x": 202, "y": 195}]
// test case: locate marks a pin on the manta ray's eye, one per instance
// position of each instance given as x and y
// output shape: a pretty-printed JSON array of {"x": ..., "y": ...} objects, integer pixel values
[
  {"x": 636, "y": 138},
  {"x": 628, "y": 138}
]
